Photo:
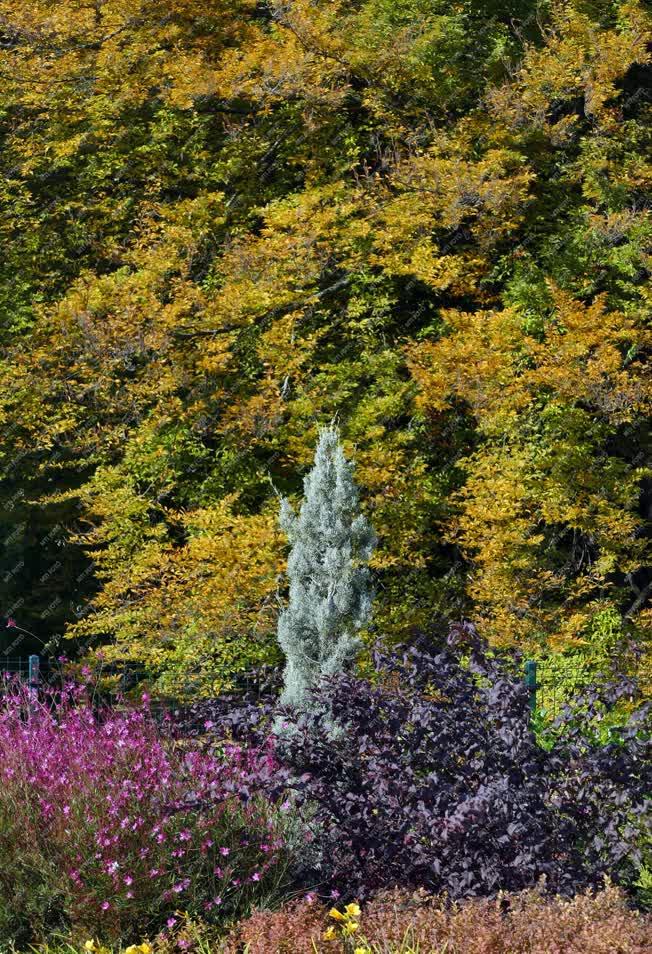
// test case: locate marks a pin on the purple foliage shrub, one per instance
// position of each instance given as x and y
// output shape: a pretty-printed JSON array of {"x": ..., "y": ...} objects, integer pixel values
[
  {"x": 436, "y": 780},
  {"x": 244, "y": 715},
  {"x": 108, "y": 827}
]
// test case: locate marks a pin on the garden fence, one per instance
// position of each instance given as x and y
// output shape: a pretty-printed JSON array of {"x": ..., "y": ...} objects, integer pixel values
[
  {"x": 555, "y": 682},
  {"x": 551, "y": 688},
  {"x": 551, "y": 683},
  {"x": 30, "y": 668}
]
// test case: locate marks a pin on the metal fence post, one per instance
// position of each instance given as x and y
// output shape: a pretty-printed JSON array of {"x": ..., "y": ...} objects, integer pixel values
[
  {"x": 33, "y": 678},
  {"x": 531, "y": 682}
]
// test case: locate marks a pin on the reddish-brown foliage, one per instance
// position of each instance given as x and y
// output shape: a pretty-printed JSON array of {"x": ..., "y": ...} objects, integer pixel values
[
  {"x": 291, "y": 930},
  {"x": 525, "y": 923}
]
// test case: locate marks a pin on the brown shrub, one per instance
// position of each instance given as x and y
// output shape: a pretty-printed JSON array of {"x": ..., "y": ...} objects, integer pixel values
[
  {"x": 288, "y": 931},
  {"x": 524, "y": 923}
]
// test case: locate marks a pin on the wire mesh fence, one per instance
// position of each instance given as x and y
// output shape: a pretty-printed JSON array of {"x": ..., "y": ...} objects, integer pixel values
[
  {"x": 552, "y": 683},
  {"x": 561, "y": 680},
  {"x": 34, "y": 667},
  {"x": 555, "y": 686},
  {"x": 14, "y": 666}
]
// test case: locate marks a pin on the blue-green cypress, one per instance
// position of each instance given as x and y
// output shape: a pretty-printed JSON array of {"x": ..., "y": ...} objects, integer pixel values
[{"x": 330, "y": 593}]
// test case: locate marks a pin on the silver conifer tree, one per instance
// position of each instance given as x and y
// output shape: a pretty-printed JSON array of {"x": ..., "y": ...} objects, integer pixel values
[{"x": 330, "y": 590}]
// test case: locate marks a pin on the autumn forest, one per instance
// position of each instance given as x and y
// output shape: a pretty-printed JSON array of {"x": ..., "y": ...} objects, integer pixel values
[{"x": 226, "y": 224}]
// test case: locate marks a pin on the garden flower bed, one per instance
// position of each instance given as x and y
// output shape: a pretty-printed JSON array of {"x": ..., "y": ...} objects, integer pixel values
[{"x": 116, "y": 827}]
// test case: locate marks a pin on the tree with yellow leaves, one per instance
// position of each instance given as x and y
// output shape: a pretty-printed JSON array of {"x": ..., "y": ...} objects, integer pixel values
[{"x": 223, "y": 225}]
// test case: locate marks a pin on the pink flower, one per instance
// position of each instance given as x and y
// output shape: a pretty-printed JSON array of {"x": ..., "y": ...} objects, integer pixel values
[
  {"x": 134, "y": 796},
  {"x": 11, "y": 623}
]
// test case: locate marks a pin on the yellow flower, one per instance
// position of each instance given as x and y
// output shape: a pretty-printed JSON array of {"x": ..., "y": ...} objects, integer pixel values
[
  {"x": 329, "y": 935},
  {"x": 89, "y": 946},
  {"x": 350, "y": 927},
  {"x": 353, "y": 910},
  {"x": 132, "y": 949},
  {"x": 145, "y": 948},
  {"x": 362, "y": 950},
  {"x": 337, "y": 915}
]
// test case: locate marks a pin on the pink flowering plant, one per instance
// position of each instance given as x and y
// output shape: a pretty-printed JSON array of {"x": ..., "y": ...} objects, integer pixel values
[{"x": 108, "y": 826}]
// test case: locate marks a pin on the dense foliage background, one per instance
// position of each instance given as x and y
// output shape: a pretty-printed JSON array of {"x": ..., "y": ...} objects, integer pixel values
[{"x": 225, "y": 223}]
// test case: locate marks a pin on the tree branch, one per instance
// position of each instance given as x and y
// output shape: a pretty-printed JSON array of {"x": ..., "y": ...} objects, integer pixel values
[
  {"x": 188, "y": 333},
  {"x": 640, "y": 599}
]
